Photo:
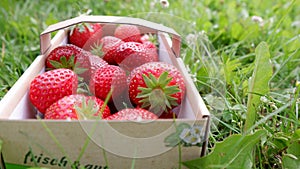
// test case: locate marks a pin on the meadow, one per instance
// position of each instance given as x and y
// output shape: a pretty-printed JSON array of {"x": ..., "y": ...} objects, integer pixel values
[{"x": 244, "y": 58}]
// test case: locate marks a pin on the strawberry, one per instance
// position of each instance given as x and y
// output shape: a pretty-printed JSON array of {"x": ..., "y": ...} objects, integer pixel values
[
  {"x": 106, "y": 48},
  {"x": 85, "y": 35},
  {"x": 168, "y": 115},
  {"x": 156, "y": 86},
  {"x": 137, "y": 114},
  {"x": 130, "y": 55},
  {"x": 77, "y": 106},
  {"x": 128, "y": 33},
  {"x": 72, "y": 57},
  {"x": 64, "y": 56},
  {"x": 88, "y": 64},
  {"x": 151, "y": 50},
  {"x": 150, "y": 42},
  {"x": 50, "y": 86},
  {"x": 95, "y": 63},
  {"x": 108, "y": 78}
]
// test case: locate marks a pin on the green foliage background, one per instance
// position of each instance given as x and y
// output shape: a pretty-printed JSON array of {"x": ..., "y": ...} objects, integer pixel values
[{"x": 220, "y": 56}]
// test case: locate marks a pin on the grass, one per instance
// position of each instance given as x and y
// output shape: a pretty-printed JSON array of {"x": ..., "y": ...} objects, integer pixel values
[{"x": 219, "y": 42}]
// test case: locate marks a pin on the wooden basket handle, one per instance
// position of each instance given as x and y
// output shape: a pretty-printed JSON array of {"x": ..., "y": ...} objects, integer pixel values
[{"x": 45, "y": 36}]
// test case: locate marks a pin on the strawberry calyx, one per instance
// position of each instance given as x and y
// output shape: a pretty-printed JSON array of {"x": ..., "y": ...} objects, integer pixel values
[
  {"x": 90, "y": 109},
  {"x": 149, "y": 38},
  {"x": 87, "y": 109},
  {"x": 81, "y": 28},
  {"x": 157, "y": 95},
  {"x": 64, "y": 62},
  {"x": 68, "y": 64},
  {"x": 96, "y": 49}
]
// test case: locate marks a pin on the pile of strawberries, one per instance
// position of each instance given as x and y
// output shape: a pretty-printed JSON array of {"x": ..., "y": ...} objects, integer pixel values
[{"x": 112, "y": 77}]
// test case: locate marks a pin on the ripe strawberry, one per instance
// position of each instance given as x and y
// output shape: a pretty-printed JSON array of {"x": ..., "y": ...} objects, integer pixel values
[
  {"x": 130, "y": 55},
  {"x": 151, "y": 50},
  {"x": 157, "y": 86},
  {"x": 168, "y": 115},
  {"x": 85, "y": 35},
  {"x": 108, "y": 78},
  {"x": 72, "y": 57},
  {"x": 107, "y": 47},
  {"x": 128, "y": 33},
  {"x": 77, "y": 106},
  {"x": 137, "y": 114},
  {"x": 64, "y": 56},
  {"x": 50, "y": 86},
  {"x": 95, "y": 63},
  {"x": 149, "y": 42}
]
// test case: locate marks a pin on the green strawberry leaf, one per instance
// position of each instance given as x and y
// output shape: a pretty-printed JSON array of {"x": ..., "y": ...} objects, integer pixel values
[{"x": 234, "y": 152}]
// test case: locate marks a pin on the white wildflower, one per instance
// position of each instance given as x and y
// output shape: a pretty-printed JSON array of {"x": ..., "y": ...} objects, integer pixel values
[
  {"x": 273, "y": 105},
  {"x": 164, "y": 3},
  {"x": 196, "y": 131},
  {"x": 192, "y": 135},
  {"x": 215, "y": 26},
  {"x": 296, "y": 24},
  {"x": 185, "y": 133},
  {"x": 264, "y": 99},
  {"x": 191, "y": 38},
  {"x": 194, "y": 77},
  {"x": 202, "y": 32},
  {"x": 258, "y": 19}
]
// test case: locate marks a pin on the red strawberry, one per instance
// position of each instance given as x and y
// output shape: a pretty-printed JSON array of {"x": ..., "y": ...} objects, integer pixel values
[
  {"x": 168, "y": 115},
  {"x": 107, "y": 78},
  {"x": 151, "y": 50},
  {"x": 157, "y": 86},
  {"x": 50, "y": 86},
  {"x": 71, "y": 57},
  {"x": 107, "y": 47},
  {"x": 150, "y": 41},
  {"x": 137, "y": 114},
  {"x": 130, "y": 55},
  {"x": 88, "y": 64},
  {"x": 85, "y": 35},
  {"x": 77, "y": 107},
  {"x": 64, "y": 56},
  {"x": 95, "y": 63},
  {"x": 128, "y": 33}
]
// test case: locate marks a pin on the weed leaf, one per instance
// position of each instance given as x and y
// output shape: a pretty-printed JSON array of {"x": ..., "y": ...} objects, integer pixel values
[
  {"x": 292, "y": 158},
  {"x": 233, "y": 152},
  {"x": 258, "y": 83}
]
